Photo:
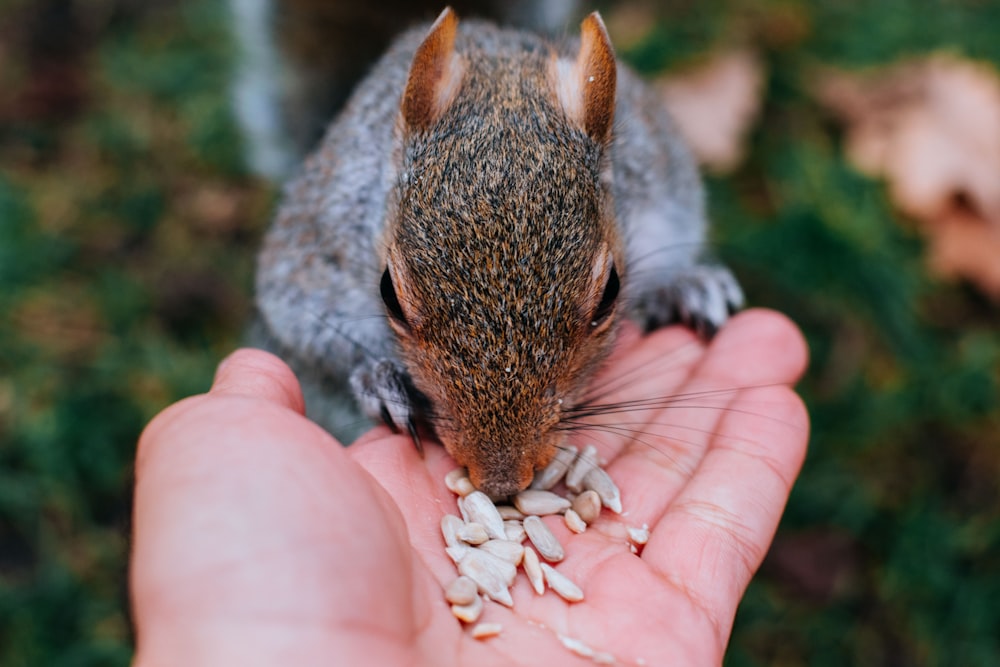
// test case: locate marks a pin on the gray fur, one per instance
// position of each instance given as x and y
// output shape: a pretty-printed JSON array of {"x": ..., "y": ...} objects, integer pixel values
[{"x": 319, "y": 270}]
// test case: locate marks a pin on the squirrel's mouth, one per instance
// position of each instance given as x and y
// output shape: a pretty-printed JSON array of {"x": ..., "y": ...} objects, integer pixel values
[
  {"x": 503, "y": 469},
  {"x": 501, "y": 484}
]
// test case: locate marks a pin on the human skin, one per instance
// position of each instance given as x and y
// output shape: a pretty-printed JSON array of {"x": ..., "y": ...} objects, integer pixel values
[{"x": 259, "y": 540}]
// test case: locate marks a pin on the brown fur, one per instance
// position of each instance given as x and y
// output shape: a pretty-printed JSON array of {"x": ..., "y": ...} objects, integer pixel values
[
  {"x": 551, "y": 214},
  {"x": 489, "y": 184}
]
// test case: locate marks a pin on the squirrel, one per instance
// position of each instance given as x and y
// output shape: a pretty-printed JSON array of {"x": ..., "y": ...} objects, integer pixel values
[{"x": 463, "y": 246}]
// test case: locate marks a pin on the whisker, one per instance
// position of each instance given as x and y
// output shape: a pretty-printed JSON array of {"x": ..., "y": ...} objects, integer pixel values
[
  {"x": 590, "y": 407},
  {"x": 339, "y": 330},
  {"x": 634, "y": 435},
  {"x": 670, "y": 248},
  {"x": 621, "y": 379},
  {"x": 665, "y": 404}
]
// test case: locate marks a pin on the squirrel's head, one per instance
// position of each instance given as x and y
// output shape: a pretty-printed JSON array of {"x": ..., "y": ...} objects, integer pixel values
[{"x": 503, "y": 260}]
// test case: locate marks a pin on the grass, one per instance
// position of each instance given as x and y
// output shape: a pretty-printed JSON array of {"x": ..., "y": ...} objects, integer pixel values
[{"x": 127, "y": 232}]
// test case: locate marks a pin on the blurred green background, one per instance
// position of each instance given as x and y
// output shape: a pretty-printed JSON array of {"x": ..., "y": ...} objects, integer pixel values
[{"x": 128, "y": 225}]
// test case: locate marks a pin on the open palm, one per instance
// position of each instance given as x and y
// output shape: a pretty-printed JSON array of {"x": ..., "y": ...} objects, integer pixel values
[{"x": 259, "y": 541}]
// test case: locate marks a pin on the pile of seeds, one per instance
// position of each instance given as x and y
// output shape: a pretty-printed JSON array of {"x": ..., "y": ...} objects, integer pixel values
[{"x": 486, "y": 542}]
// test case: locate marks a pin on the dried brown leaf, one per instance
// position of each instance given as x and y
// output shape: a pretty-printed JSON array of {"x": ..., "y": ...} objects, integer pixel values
[
  {"x": 931, "y": 128},
  {"x": 963, "y": 246},
  {"x": 715, "y": 104}
]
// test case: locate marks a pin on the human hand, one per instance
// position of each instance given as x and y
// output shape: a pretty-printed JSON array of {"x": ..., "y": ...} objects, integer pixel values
[{"x": 259, "y": 540}]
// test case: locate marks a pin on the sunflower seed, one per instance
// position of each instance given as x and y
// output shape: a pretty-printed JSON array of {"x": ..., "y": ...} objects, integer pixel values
[
  {"x": 574, "y": 522},
  {"x": 588, "y": 506},
  {"x": 638, "y": 535},
  {"x": 584, "y": 463},
  {"x": 463, "y": 486},
  {"x": 461, "y": 591},
  {"x": 450, "y": 525},
  {"x": 509, "y": 512},
  {"x": 540, "y": 503},
  {"x": 457, "y": 553},
  {"x": 468, "y": 613},
  {"x": 492, "y": 575},
  {"x": 460, "y": 501},
  {"x": 532, "y": 568},
  {"x": 472, "y": 533},
  {"x": 576, "y": 646},
  {"x": 543, "y": 540},
  {"x": 480, "y": 509},
  {"x": 584, "y": 651},
  {"x": 512, "y": 552},
  {"x": 561, "y": 584},
  {"x": 486, "y": 630},
  {"x": 458, "y": 482},
  {"x": 598, "y": 480},
  {"x": 491, "y": 567},
  {"x": 550, "y": 475},
  {"x": 514, "y": 531}
]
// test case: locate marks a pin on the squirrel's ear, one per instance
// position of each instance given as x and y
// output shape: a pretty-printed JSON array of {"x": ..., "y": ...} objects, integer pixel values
[
  {"x": 434, "y": 76},
  {"x": 586, "y": 86}
]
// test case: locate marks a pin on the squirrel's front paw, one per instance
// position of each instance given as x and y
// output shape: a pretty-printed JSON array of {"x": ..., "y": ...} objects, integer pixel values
[
  {"x": 702, "y": 297},
  {"x": 385, "y": 392}
]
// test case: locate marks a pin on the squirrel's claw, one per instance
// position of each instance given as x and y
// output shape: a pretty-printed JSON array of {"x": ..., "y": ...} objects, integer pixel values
[
  {"x": 386, "y": 393},
  {"x": 702, "y": 297},
  {"x": 412, "y": 427}
]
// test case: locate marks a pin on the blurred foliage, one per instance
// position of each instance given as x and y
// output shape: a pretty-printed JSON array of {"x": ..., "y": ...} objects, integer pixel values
[{"x": 127, "y": 233}]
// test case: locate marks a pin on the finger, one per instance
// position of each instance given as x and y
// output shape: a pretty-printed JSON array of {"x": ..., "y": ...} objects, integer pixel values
[
  {"x": 756, "y": 348},
  {"x": 622, "y": 398},
  {"x": 259, "y": 374},
  {"x": 256, "y": 538},
  {"x": 248, "y": 372},
  {"x": 714, "y": 535}
]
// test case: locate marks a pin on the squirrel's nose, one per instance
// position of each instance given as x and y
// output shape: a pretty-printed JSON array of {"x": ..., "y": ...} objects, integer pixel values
[{"x": 501, "y": 483}]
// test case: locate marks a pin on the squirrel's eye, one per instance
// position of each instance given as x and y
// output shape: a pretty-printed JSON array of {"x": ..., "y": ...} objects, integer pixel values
[
  {"x": 608, "y": 299},
  {"x": 390, "y": 299}
]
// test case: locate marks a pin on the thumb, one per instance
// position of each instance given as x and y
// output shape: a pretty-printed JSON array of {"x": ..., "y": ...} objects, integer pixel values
[
  {"x": 246, "y": 373},
  {"x": 258, "y": 374},
  {"x": 243, "y": 518}
]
